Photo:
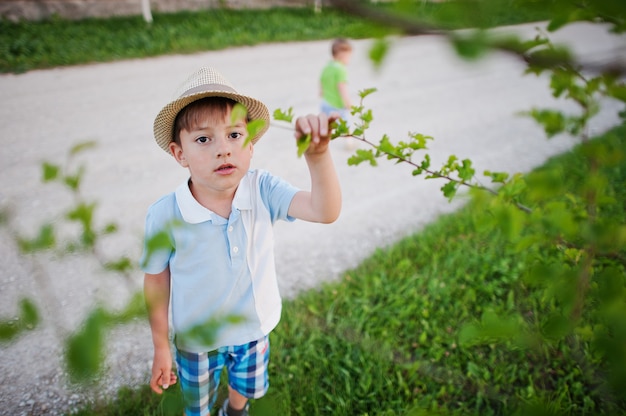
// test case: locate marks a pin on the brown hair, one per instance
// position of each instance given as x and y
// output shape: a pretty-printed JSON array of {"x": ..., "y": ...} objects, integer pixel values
[
  {"x": 197, "y": 112},
  {"x": 340, "y": 45}
]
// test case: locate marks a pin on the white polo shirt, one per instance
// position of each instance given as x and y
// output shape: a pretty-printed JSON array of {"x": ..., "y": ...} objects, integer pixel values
[{"x": 221, "y": 267}]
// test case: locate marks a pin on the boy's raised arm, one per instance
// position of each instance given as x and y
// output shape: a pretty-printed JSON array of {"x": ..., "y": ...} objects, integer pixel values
[{"x": 323, "y": 202}]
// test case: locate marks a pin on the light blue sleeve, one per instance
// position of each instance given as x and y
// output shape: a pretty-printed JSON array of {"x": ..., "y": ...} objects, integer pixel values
[
  {"x": 158, "y": 244},
  {"x": 277, "y": 195}
]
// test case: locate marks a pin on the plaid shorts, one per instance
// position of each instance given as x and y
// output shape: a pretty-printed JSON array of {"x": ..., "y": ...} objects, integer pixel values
[{"x": 199, "y": 374}]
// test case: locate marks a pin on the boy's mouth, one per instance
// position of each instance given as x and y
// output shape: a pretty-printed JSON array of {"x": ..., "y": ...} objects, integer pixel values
[{"x": 225, "y": 168}]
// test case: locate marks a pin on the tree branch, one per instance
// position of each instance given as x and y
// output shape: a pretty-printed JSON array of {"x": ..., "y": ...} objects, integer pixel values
[{"x": 412, "y": 27}]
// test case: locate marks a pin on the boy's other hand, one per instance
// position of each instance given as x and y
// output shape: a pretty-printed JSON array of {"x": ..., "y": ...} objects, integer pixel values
[
  {"x": 162, "y": 374},
  {"x": 318, "y": 126}
]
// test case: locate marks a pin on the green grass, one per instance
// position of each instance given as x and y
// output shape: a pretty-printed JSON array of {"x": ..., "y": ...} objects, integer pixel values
[
  {"x": 387, "y": 338},
  {"x": 56, "y": 42}
]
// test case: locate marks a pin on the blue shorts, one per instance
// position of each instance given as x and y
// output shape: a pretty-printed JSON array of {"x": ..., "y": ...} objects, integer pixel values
[
  {"x": 328, "y": 109},
  {"x": 199, "y": 374}
]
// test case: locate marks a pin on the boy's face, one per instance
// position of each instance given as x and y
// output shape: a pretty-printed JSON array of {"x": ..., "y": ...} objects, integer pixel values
[
  {"x": 344, "y": 56},
  {"x": 214, "y": 154}
]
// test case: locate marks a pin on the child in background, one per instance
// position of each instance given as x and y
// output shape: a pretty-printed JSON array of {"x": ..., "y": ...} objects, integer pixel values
[
  {"x": 220, "y": 260},
  {"x": 334, "y": 81}
]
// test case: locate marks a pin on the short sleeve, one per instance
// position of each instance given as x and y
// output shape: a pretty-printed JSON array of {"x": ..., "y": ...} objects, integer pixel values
[
  {"x": 277, "y": 195},
  {"x": 158, "y": 239}
]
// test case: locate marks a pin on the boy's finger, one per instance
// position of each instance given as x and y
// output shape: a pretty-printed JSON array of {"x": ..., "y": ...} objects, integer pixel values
[
  {"x": 333, "y": 117},
  {"x": 319, "y": 126},
  {"x": 165, "y": 381},
  {"x": 154, "y": 384},
  {"x": 324, "y": 123},
  {"x": 302, "y": 127}
]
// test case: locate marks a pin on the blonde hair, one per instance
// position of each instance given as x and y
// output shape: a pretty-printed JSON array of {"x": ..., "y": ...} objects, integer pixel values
[{"x": 340, "y": 45}]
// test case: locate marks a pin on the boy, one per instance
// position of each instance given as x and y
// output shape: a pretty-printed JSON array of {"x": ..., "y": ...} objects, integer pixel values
[
  {"x": 219, "y": 224},
  {"x": 334, "y": 81}
]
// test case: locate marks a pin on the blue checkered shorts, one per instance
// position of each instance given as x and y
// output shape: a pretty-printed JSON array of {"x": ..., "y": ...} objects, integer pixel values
[{"x": 199, "y": 374}]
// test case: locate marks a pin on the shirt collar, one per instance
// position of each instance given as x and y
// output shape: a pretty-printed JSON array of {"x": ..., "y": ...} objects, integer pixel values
[{"x": 194, "y": 213}]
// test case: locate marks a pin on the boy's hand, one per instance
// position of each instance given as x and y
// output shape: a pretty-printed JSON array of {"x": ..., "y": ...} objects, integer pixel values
[
  {"x": 162, "y": 374},
  {"x": 318, "y": 126}
]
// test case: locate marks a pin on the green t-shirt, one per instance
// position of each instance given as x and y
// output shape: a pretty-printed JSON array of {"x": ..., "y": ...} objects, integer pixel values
[{"x": 332, "y": 75}]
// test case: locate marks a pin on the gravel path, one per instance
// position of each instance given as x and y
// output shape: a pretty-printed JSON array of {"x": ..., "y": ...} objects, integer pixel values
[{"x": 469, "y": 108}]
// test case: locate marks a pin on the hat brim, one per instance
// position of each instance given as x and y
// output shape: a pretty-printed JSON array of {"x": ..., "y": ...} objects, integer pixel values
[{"x": 164, "y": 121}]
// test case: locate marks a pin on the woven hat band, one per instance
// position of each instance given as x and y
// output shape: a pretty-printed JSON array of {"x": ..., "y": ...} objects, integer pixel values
[{"x": 208, "y": 87}]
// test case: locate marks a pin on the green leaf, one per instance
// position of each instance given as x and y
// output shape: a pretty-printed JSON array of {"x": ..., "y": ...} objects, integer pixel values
[
  {"x": 73, "y": 181},
  {"x": 303, "y": 144},
  {"x": 576, "y": 14},
  {"x": 50, "y": 171},
  {"x": 449, "y": 189},
  {"x": 494, "y": 327},
  {"x": 556, "y": 327},
  {"x": 418, "y": 141},
  {"x": 550, "y": 57},
  {"x": 135, "y": 308},
  {"x": 123, "y": 264},
  {"x": 473, "y": 370},
  {"x": 81, "y": 147},
  {"x": 378, "y": 51},
  {"x": 84, "y": 350},
  {"x": 367, "y": 116},
  {"x": 160, "y": 240},
  {"x": 110, "y": 228},
  {"x": 362, "y": 155},
  {"x": 617, "y": 91},
  {"x": 340, "y": 128},
  {"x": 206, "y": 332},
  {"x": 9, "y": 330},
  {"x": 238, "y": 112},
  {"x": 385, "y": 146},
  {"x": 367, "y": 91},
  {"x": 473, "y": 46},
  {"x": 280, "y": 115},
  {"x": 557, "y": 22},
  {"x": 513, "y": 43},
  {"x": 27, "y": 320},
  {"x": 496, "y": 177},
  {"x": 423, "y": 166},
  {"x": 83, "y": 214},
  {"x": 561, "y": 81},
  {"x": 45, "y": 240},
  {"x": 611, "y": 284},
  {"x": 553, "y": 121},
  {"x": 254, "y": 127},
  {"x": 29, "y": 316},
  {"x": 466, "y": 171},
  {"x": 510, "y": 220}
]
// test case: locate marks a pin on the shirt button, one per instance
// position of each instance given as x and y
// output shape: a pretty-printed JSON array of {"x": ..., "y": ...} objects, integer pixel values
[
  {"x": 235, "y": 249},
  {"x": 230, "y": 228}
]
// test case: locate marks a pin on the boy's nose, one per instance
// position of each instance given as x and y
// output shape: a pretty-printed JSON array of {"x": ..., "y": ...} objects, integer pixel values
[{"x": 224, "y": 149}]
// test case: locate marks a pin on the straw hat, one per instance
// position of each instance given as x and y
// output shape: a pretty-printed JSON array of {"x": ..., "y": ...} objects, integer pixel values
[{"x": 206, "y": 82}]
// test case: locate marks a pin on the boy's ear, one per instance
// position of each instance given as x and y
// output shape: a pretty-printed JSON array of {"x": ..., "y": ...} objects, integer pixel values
[{"x": 178, "y": 154}]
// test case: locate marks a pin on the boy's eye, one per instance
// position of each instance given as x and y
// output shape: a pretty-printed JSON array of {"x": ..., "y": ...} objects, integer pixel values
[
  {"x": 203, "y": 139},
  {"x": 235, "y": 135}
]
